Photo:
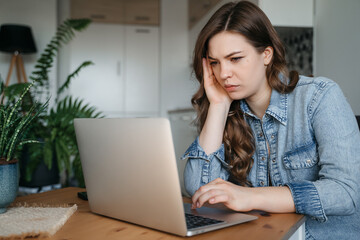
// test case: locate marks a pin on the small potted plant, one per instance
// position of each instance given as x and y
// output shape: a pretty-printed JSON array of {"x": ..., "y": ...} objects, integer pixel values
[{"x": 14, "y": 125}]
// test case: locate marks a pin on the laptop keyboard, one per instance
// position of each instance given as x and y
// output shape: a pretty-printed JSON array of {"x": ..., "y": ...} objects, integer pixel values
[{"x": 193, "y": 221}]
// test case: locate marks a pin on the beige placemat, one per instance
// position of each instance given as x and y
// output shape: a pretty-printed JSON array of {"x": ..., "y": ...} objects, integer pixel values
[{"x": 33, "y": 221}]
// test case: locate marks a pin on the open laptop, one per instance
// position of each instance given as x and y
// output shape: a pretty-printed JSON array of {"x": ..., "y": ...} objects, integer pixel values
[{"x": 130, "y": 173}]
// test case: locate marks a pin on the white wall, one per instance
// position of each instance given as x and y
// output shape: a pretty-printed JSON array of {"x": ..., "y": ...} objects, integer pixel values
[
  {"x": 176, "y": 87},
  {"x": 40, "y": 15},
  {"x": 337, "y": 39},
  {"x": 294, "y": 13},
  {"x": 63, "y": 13}
]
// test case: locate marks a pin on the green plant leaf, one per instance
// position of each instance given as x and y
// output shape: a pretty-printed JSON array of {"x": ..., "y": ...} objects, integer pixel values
[
  {"x": 73, "y": 75},
  {"x": 65, "y": 32},
  {"x": 48, "y": 153},
  {"x": 14, "y": 124}
]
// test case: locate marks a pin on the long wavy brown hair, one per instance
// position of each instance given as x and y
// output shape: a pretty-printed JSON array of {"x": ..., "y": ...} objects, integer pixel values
[{"x": 250, "y": 21}]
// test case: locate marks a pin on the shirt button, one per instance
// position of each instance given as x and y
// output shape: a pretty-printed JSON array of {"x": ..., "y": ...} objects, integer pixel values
[
  {"x": 205, "y": 179},
  {"x": 272, "y": 136},
  {"x": 262, "y": 183},
  {"x": 263, "y": 158},
  {"x": 274, "y": 160},
  {"x": 260, "y": 135}
]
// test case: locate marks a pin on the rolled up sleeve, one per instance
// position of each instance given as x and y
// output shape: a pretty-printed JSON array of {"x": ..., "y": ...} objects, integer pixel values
[
  {"x": 307, "y": 200},
  {"x": 201, "y": 168}
]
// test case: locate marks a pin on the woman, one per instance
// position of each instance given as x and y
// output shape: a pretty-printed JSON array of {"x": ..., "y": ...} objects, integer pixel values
[{"x": 270, "y": 140}]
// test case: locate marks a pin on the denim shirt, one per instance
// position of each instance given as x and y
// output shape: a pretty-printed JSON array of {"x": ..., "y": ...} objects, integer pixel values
[{"x": 314, "y": 144}]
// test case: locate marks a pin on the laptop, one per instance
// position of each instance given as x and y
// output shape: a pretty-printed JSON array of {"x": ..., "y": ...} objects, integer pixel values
[{"x": 130, "y": 173}]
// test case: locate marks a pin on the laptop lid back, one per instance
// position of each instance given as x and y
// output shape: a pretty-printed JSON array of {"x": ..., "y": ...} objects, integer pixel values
[{"x": 130, "y": 171}]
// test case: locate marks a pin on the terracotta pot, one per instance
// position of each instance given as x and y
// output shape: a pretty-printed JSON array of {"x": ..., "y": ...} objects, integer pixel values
[{"x": 9, "y": 183}]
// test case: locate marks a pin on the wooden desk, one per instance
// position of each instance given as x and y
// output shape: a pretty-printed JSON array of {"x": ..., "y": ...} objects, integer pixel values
[{"x": 85, "y": 225}]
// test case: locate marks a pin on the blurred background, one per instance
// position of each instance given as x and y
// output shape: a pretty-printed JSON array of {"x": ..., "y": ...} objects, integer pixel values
[{"x": 142, "y": 50}]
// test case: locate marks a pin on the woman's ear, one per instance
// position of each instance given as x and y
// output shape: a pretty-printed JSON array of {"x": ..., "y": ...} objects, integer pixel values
[{"x": 268, "y": 53}]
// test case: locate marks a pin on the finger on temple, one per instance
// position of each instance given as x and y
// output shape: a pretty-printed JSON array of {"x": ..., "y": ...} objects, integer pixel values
[{"x": 205, "y": 68}]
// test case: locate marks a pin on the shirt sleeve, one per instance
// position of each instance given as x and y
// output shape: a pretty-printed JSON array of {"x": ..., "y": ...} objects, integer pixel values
[
  {"x": 336, "y": 192},
  {"x": 201, "y": 168},
  {"x": 306, "y": 199}
]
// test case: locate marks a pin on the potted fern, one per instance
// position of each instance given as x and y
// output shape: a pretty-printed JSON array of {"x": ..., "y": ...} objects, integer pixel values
[
  {"x": 14, "y": 126},
  {"x": 55, "y": 129}
]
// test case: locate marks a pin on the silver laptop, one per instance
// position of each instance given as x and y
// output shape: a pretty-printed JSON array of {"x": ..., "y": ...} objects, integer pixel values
[{"x": 130, "y": 174}]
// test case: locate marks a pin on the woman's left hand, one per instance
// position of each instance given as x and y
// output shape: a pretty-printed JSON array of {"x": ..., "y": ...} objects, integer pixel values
[{"x": 219, "y": 191}]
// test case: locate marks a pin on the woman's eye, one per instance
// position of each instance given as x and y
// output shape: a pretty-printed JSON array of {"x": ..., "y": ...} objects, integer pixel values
[
  {"x": 236, "y": 59},
  {"x": 213, "y": 63}
]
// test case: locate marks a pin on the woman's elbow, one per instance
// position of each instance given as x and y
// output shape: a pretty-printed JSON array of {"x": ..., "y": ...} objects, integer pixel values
[
  {"x": 191, "y": 178},
  {"x": 190, "y": 186}
]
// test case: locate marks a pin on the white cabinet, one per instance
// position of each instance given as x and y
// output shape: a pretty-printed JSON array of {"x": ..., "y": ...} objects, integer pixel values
[
  {"x": 142, "y": 83},
  {"x": 102, "y": 84},
  {"x": 124, "y": 80},
  {"x": 289, "y": 13}
]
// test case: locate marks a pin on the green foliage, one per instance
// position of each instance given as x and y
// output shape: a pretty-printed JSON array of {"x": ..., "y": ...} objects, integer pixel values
[
  {"x": 15, "y": 90},
  {"x": 65, "y": 32},
  {"x": 72, "y": 76},
  {"x": 14, "y": 124},
  {"x": 61, "y": 140},
  {"x": 55, "y": 128}
]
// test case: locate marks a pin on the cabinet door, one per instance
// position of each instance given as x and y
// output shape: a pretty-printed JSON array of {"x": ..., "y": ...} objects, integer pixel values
[
  {"x": 101, "y": 84},
  {"x": 143, "y": 12},
  {"x": 142, "y": 70},
  {"x": 110, "y": 11}
]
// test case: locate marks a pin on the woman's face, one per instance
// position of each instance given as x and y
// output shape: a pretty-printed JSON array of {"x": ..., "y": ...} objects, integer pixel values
[{"x": 238, "y": 67}]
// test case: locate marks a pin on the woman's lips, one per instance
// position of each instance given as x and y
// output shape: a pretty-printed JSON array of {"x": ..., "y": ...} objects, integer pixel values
[{"x": 230, "y": 87}]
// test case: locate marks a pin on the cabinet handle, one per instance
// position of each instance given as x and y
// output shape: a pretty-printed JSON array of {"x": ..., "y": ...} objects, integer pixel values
[
  {"x": 142, "y": 18},
  {"x": 97, "y": 16},
  {"x": 142, "y": 31}
]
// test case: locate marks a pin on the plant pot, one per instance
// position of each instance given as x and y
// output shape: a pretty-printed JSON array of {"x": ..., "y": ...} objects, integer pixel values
[{"x": 9, "y": 183}]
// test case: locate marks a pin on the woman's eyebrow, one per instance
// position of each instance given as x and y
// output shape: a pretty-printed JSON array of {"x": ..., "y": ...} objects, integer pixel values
[
  {"x": 233, "y": 53},
  {"x": 227, "y": 56}
]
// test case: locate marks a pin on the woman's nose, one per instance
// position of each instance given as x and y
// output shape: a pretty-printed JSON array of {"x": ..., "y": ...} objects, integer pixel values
[{"x": 225, "y": 71}]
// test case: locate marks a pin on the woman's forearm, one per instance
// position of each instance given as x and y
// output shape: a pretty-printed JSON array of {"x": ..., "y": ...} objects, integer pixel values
[
  {"x": 273, "y": 199},
  {"x": 211, "y": 135}
]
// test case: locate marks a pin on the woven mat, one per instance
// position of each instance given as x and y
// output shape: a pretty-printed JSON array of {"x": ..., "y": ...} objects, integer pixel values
[{"x": 33, "y": 221}]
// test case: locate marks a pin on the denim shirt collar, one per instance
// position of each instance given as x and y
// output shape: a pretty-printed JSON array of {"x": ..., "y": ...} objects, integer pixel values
[{"x": 277, "y": 107}]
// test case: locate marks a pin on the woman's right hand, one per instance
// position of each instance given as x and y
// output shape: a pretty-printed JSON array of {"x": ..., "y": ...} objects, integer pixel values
[
  {"x": 211, "y": 135},
  {"x": 215, "y": 93}
]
